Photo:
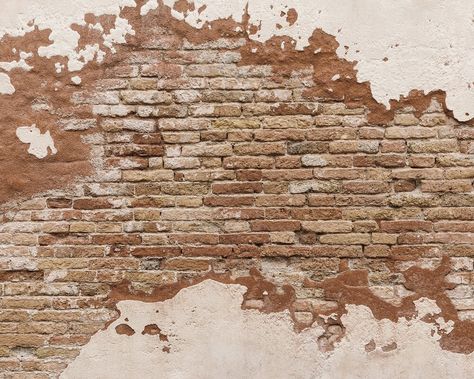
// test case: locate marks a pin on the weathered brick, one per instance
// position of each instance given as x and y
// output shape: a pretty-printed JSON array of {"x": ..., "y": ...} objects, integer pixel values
[
  {"x": 150, "y": 175},
  {"x": 207, "y": 150},
  {"x": 327, "y": 226},
  {"x": 146, "y": 97}
]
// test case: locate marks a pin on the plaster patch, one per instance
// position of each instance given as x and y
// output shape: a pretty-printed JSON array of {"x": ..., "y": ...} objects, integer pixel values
[
  {"x": 21, "y": 63},
  {"x": 76, "y": 80},
  {"x": 39, "y": 143},
  {"x": 6, "y": 87},
  {"x": 204, "y": 333},
  {"x": 398, "y": 46},
  {"x": 22, "y": 16}
]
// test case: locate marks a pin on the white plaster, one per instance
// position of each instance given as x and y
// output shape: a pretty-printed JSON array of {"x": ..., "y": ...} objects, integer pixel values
[
  {"x": 76, "y": 80},
  {"x": 21, "y": 63},
  {"x": 6, "y": 87},
  {"x": 210, "y": 336},
  {"x": 39, "y": 143},
  {"x": 21, "y": 16},
  {"x": 426, "y": 307},
  {"x": 428, "y": 44},
  {"x": 148, "y": 6},
  {"x": 118, "y": 33}
]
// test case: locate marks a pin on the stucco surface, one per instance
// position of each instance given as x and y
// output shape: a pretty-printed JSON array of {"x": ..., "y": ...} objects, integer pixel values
[{"x": 210, "y": 336}]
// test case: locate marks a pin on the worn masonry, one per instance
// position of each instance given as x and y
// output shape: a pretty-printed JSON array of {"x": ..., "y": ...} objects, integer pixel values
[{"x": 236, "y": 189}]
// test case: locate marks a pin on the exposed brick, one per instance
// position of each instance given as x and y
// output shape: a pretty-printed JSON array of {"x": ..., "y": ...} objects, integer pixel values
[{"x": 205, "y": 163}]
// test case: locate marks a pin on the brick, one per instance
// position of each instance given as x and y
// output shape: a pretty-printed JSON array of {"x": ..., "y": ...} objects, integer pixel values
[
  {"x": 149, "y": 175},
  {"x": 314, "y": 186},
  {"x": 313, "y": 160},
  {"x": 369, "y": 187},
  {"x": 446, "y": 186},
  {"x": 312, "y": 251},
  {"x": 181, "y": 137},
  {"x": 184, "y": 264},
  {"x": 244, "y": 238},
  {"x": 287, "y": 122},
  {"x": 295, "y": 174},
  {"x": 433, "y": 146},
  {"x": 421, "y": 161},
  {"x": 245, "y": 187},
  {"x": 421, "y": 173},
  {"x": 269, "y": 148},
  {"x": 207, "y": 150},
  {"x": 275, "y": 226},
  {"x": 345, "y": 239},
  {"x": 214, "y": 96},
  {"x": 412, "y": 132},
  {"x": 207, "y": 251},
  {"x": 22, "y": 340},
  {"x": 342, "y": 147},
  {"x": 171, "y": 124},
  {"x": 405, "y": 226},
  {"x": 20, "y": 275},
  {"x": 161, "y": 70},
  {"x": 180, "y": 163},
  {"x": 59, "y": 202},
  {"x": 316, "y": 214},
  {"x": 279, "y": 135},
  {"x": 280, "y": 200},
  {"x": 146, "y": 97},
  {"x": 228, "y": 201},
  {"x": 307, "y": 147},
  {"x": 236, "y": 123},
  {"x": 273, "y": 95},
  {"x": 247, "y": 162},
  {"x": 156, "y": 251},
  {"x": 405, "y": 119},
  {"x": 327, "y": 226},
  {"x": 331, "y": 134}
]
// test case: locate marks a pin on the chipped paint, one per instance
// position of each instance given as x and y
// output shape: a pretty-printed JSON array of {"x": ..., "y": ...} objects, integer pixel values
[
  {"x": 40, "y": 144},
  {"x": 205, "y": 324},
  {"x": 398, "y": 46}
]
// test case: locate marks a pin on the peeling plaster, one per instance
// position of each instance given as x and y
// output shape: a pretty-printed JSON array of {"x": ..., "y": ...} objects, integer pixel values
[
  {"x": 20, "y": 64},
  {"x": 204, "y": 333},
  {"x": 398, "y": 46},
  {"x": 6, "y": 87},
  {"x": 23, "y": 16},
  {"x": 423, "y": 47},
  {"x": 39, "y": 143}
]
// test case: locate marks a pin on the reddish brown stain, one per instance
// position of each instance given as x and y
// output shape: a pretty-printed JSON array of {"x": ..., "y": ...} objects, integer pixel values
[
  {"x": 291, "y": 16},
  {"x": 352, "y": 287},
  {"x": 183, "y": 6},
  {"x": 390, "y": 347},
  {"x": 371, "y": 346},
  {"x": 125, "y": 330},
  {"x": 154, "y": 330}
]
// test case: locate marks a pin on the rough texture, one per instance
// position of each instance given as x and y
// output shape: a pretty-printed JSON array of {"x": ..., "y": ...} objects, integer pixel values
[{"x": 239, "y": 186}]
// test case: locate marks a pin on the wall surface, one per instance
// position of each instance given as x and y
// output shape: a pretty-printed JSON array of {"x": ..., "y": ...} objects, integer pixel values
[{"x": 235, "y": 189}]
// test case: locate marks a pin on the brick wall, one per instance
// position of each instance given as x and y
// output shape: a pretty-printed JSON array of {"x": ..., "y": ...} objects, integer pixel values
[{"x": 205, "y": 164}]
